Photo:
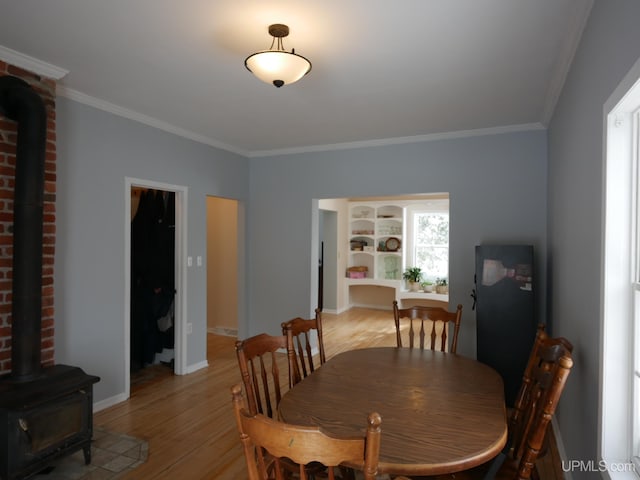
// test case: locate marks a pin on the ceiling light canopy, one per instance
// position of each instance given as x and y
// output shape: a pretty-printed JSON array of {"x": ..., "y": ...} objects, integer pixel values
[{"x": 277, "y": 66}]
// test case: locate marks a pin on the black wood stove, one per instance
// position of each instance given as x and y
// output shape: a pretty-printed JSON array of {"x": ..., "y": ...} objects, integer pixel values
[
  {"x": 44, "y": 419},
  {"x": 47, "y": 412}
]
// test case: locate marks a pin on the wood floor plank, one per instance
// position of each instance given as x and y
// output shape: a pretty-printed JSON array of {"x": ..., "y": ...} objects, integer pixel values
[{"x": 188, "y": 420}]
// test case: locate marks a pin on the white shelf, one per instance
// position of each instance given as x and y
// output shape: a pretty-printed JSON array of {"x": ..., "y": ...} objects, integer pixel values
[{"x": 372, "y": 224}]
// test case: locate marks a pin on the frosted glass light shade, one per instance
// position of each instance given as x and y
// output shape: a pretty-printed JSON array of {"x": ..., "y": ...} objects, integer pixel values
[{"x": 278, "y": 67}]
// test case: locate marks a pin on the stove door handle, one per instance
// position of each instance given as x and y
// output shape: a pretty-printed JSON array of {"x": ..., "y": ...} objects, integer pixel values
[{"x": 25, "y": 427}]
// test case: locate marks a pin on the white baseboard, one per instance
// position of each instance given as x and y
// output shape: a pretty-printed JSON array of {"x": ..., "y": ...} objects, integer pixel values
[
  {"x": 335, "y": 311},
  {"x": 561, "y": 451},
  {"x": 372, "y": 307},
  {"x": 197, "y": 366},
  {"x": 227, "y": 332},
  {"x": 109, "y": 402}
]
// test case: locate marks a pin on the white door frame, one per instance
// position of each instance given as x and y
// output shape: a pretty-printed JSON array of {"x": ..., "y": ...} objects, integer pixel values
[{"x": 180, "y": 343}]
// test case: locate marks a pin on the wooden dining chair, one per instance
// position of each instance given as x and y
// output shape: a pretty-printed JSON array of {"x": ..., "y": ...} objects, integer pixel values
[
  {"x": 541, "y": 342},
  {"x": 301, "y": 336},
  {"x": 428, "y": 324},
  {"x": 260, "y": 371},
  {"x": 545, "y": 376},
  {"x": 267, "y": 442},
  {"x": 543, "y": 381}
]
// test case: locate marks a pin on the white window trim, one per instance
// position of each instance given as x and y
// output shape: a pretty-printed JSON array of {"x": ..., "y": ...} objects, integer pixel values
[
  {"x": 616, "y": 362},
  {"x": 635, "y": 285}
]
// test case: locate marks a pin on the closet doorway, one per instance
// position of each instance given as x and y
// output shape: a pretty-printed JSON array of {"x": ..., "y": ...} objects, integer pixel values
[{"x": 154, "y": 333}]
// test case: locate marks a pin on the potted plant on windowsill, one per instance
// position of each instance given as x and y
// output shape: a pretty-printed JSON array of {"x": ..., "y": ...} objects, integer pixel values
[
  {"x": 413, "y": 276},
  {"x": 442, "y": 286},
  {"x": 428, "y": 286}
]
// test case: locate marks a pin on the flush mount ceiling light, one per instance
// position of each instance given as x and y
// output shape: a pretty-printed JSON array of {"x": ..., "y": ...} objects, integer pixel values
[{"x": 277, "y": 66}]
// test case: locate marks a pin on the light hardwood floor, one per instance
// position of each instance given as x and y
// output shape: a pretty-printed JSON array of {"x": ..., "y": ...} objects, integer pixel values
[{"x": 188, "y": 420}]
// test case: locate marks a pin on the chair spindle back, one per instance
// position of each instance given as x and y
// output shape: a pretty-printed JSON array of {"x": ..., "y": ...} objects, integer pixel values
[{"x": 428, "y": 324}]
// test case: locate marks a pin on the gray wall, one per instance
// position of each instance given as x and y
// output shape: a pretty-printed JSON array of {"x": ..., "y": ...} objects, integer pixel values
[
  {"x": 497, "y": 187},
  {"x": 96, "y": 151},
  {"x": 610, "y": 46}
]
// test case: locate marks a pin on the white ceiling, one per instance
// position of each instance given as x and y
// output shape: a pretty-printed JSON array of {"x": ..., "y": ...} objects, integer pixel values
[{"x": 382, "y": 70}]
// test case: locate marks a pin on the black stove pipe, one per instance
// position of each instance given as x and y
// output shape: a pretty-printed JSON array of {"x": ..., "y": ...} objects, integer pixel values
[{"x": 19, "y": 102}]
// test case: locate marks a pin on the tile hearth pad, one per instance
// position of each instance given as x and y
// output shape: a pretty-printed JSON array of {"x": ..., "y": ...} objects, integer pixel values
[{"x": 112, "y": 455}]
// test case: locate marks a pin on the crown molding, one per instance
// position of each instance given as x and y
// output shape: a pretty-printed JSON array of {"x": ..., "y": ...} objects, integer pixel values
[
  {"x": 32, "y": 64},
  {"x": 155, "y": 123},
  {"x": 400, "y": 140},
  {"x": 565, "y": 58},
  {"x": 144, "y": 119}
]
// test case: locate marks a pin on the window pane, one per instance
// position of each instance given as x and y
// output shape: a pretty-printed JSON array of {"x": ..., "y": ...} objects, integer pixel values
[
  {"x": 434, "y": 261},
  {"x": 431, "y": 244},
  {"x": 432, "y": 229}
]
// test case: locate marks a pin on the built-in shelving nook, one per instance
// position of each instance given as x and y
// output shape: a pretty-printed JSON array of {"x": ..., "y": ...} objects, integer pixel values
[{"x": 378, "y": 254}]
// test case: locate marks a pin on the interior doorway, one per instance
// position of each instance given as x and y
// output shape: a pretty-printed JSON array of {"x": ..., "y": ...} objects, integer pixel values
[
  {"x": 154, "y": 286},
  {"x": 333, "y": 228},
  {"x": 222, "y": 266}
]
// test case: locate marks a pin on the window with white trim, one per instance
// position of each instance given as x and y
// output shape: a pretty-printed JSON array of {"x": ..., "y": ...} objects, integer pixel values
[
  {"x": 635, "y": 286},
  {"x": 428, "y": 239},
  {"x": 431, "y": 244},
  {"x": 620, "y": 360}
]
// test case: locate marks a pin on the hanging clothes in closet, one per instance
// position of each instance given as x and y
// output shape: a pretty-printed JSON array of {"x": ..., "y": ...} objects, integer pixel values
[{"x": 152, "y": 276}]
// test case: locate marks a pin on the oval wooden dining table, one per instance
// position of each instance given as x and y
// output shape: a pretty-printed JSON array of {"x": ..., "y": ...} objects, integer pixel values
[{"x": 441, "y": 412}]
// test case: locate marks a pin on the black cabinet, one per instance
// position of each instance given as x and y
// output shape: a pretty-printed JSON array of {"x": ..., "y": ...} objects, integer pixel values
[{"x": 505, "y": 316}]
